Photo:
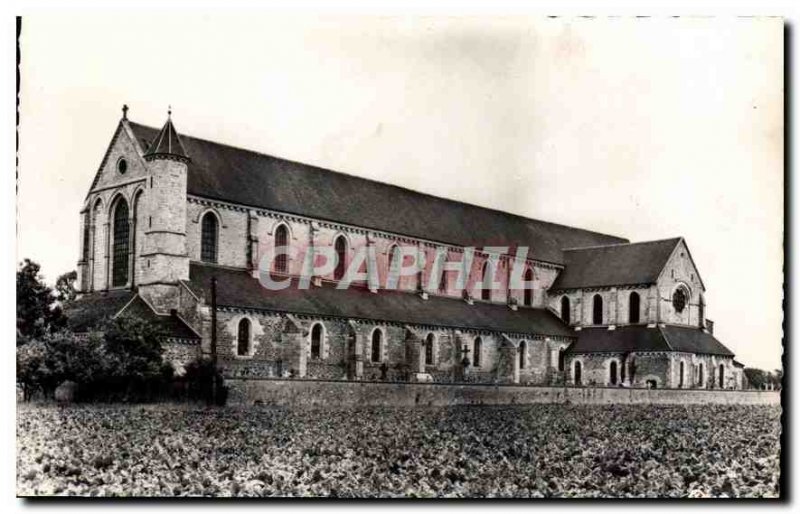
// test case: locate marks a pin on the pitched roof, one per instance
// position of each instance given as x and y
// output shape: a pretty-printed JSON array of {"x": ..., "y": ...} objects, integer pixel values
[
  {"x": 167, "y": 142},
  {"x": 248, "y": 178},
  {"x": 669, "y": 338},
  {"x": 614, "y": 265},
  {"x": 694, "y": 340},
  {"x": 90, "y": 310},
  {"x": 237, "y": 288},
  {"x": 169, "y": 325}
]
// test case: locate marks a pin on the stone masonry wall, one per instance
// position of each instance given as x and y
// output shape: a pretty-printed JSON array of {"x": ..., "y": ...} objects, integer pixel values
[
  {"x": 313, "y": 393},
  {"x": 272, "y": 352}
]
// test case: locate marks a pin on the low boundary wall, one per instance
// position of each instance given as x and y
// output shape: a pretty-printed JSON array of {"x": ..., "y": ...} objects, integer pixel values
[{"x": 250, "y": 391}]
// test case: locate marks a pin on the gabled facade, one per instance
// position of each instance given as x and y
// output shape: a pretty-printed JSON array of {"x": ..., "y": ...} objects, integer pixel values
[{"x": 166, "y": 213}]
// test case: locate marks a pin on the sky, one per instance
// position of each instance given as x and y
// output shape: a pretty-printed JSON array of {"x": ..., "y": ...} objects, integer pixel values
[{"x": 643, "y": 128}]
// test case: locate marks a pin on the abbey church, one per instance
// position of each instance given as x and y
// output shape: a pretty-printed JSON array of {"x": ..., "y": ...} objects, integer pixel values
[{"x": 175, "y": 230}]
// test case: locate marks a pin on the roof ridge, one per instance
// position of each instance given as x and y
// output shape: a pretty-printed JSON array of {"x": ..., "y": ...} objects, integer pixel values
[
  {"x": 654, "y": 241},
  {"x": 387, "y": 184}
]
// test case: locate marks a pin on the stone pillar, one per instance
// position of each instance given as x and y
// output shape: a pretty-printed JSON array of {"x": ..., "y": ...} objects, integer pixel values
[
  {"x": 132, "y": 249},
  {"x": 252, "y": 242},
  {"x": 508, "y": 363},
  {"x": 309, "y": 261},
  {"x": 294, "y": 338},
  {"x": 92, "y": 249},
  {"x": 355, "y": 353},
  {"x": 415, "y": 354},
  {"x": 462, "y": 361},
  {"x": 613, "y": 307},
  {"x": 107, "y": 253},
  {"x": 652, "y": 305}
]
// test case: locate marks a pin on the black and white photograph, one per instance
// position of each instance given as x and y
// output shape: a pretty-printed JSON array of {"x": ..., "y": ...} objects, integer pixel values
[{"x": 273, "y": 255}]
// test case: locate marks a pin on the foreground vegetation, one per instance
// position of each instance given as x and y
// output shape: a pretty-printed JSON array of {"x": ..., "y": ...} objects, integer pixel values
[{"x": 467, "y": 451}]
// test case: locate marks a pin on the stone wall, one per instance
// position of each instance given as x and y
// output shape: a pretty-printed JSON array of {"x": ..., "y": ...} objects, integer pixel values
[
  {"x": 247, "y": 392},
  {"x": 241, "y": 228},
  {"x": 346, "y": 351}
]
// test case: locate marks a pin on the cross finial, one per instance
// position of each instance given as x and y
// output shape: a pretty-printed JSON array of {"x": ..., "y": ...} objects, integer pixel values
[
  {"x": 169, "y": 111},
  {"x": 124, "y": 111}
]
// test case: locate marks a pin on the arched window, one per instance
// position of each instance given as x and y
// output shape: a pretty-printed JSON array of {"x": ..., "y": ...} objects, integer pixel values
[
  {"x": 429, "y": 350},
  {"x": 121, "y": 249},
  {"x": 597, "y": 310},
  {"x": 476, "y": 352},
  {"x": 340, "y": 247},
  {"x": 243, "y": 338},
  {"x": 577, "y": 378},
  {"x": 523, "y": 349},
  {"x": 486, "y": 285},
  {"x": 281, "y": 247},
  {"x": 612, "y": 373},
  {"x": 700, "y": 377},
  {"x": 681, "y": 375},
  {"x": 377, "y": 337},
  {"x": 208, "y": 238},
  {"x": 721, "y": 376},
  {"x": 527, "y": 297},
  {"x": 633, "y": 308},
  {"x": 561, "y": 359},
  {"x": 316, "y": 341},
  {"x": 87, "y": 223},
  {"x": 565, "y": 309}
]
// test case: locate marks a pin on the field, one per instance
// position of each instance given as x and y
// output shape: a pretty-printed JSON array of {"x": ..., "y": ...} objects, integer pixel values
[{"x": 467, "y": 451}]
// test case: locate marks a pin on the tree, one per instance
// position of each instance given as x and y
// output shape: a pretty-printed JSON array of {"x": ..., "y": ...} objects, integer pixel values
[
  {"x": 132, "y": 348},
  {"x": 121, "y": 361},
  {"x": 45, "y": 363},
  {"x": 65, "y": 287},
  {"x": 756, "y": 377},
  {"x": 37, "y": 313}
]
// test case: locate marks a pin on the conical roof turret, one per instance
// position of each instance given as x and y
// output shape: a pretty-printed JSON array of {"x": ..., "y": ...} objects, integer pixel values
[{"x": 167, "y": 144}]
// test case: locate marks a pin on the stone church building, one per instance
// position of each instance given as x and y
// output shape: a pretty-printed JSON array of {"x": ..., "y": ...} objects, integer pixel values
[{"x": 168, "y": 214}]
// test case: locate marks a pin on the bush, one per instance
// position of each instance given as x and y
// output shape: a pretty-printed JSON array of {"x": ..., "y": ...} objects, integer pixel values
[
  {"x": 122, "y": 364},
  {"x": 204, "y": 382}
]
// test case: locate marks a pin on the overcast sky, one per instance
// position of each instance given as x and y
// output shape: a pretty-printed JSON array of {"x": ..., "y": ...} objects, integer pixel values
[{"x": 643, "y": 128}]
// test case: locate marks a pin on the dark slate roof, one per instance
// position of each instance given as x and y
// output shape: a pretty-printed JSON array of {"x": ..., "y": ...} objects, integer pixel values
[
  {"x": 614, "y": 265},
  {"x": 89, "y": 311},
  {"x": 237, "y": 288},
  {"x": 694, "y": 340},
  {"x": 168, "y": 325},
  {"x": 248, "y": 178},
  {"x": 167, "y": 142},
  {"x": 668, "y": 338}
]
